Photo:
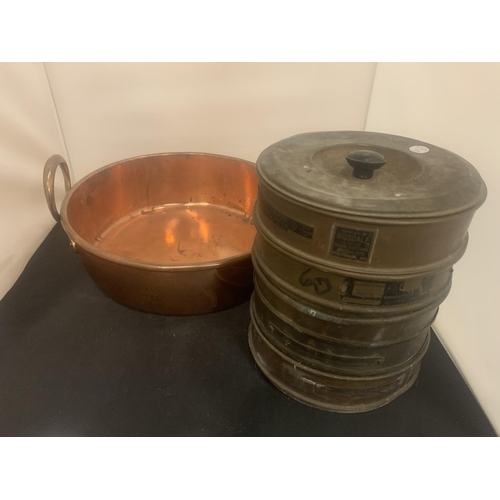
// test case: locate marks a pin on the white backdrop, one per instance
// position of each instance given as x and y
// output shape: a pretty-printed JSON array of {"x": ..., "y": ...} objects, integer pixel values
[
  {"x": 457, "y": 106},
  {"x": 111, "y": 111},
  {"x": 114, "y": 111},
  {"x": 29, "y": 134}
]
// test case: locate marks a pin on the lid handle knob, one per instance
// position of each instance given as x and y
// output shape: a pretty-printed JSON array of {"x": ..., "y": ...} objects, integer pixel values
[{"x": 364, "y": 162}]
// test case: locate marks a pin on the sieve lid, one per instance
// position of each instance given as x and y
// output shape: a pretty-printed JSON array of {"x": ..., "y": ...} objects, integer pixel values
[{"x": 371, "y": 174}]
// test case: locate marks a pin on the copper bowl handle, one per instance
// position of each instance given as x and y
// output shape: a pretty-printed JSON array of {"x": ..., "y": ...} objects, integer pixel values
[{"x": 49, "y": 173}]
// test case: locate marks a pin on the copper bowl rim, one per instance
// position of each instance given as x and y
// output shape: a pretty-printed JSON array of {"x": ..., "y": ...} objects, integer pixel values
[{"x": 88, "y": 247}]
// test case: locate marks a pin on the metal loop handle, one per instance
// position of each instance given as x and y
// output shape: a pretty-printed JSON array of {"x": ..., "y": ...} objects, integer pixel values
[{"x": 49, "y": 174}]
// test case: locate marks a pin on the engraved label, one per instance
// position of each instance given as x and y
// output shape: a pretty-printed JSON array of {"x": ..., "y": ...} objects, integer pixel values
[
  {"x": 284, "y": 222},
  {"x": 384, "y": 293},
  {"x": 352, "y": 244}
]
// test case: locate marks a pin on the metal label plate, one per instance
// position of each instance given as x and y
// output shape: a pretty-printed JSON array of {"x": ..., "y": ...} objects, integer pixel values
[
  {"x": 353, "y": 244},
  {"x": 284, "y": 222}
]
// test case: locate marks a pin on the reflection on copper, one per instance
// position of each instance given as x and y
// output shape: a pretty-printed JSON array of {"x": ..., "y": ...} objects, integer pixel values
[
  {"x": 204, "y": 230},
  {"x": 249, "y": 184},
  {"x": 203, "y": 227},
  {"x": 169, "y": 231}
]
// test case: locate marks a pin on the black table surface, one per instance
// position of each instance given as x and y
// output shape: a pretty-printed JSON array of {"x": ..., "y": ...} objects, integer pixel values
[{"x": 75, "y": 363}]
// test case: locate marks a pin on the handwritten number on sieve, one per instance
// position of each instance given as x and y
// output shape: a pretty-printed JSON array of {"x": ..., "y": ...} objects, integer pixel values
[{"x": 321, "y": 284}]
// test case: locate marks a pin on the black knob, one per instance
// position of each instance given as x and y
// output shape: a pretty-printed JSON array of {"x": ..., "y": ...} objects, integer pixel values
[{"x": 365, "y": 162}]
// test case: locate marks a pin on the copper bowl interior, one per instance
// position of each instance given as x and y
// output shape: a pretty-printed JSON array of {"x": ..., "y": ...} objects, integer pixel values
[{"x": 168, "y": 210}]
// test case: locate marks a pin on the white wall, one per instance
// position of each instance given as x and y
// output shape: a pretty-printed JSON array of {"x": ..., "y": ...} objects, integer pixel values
[
  {"x": 29, "y": 134},
  {"x": 114, "y": 111},
  {"x": 457, "y": 106}
]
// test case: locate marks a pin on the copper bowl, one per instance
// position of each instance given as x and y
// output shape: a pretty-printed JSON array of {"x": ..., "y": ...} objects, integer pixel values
[{"x": 168, "y": 233}]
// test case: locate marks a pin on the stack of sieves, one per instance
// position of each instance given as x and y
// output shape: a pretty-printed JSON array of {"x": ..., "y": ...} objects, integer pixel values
[{"x": 357, "y": 233}]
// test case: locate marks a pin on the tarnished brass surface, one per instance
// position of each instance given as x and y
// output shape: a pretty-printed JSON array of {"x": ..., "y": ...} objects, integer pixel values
[
  {"x": 416, "y": 180},
  {"x": 410, "y": 256},
  {"x": 342, "y": 290},
  {"x": 357, "y": 235},
  {"x": 348, "y": 343},
  {"x": 168, "y": 233},
  {"x": 343, "y": 328},
  {"x": 342, "y": 394}
]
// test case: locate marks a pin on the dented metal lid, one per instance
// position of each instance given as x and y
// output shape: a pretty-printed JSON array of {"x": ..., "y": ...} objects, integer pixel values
[{"x": 371, "y": 174}]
